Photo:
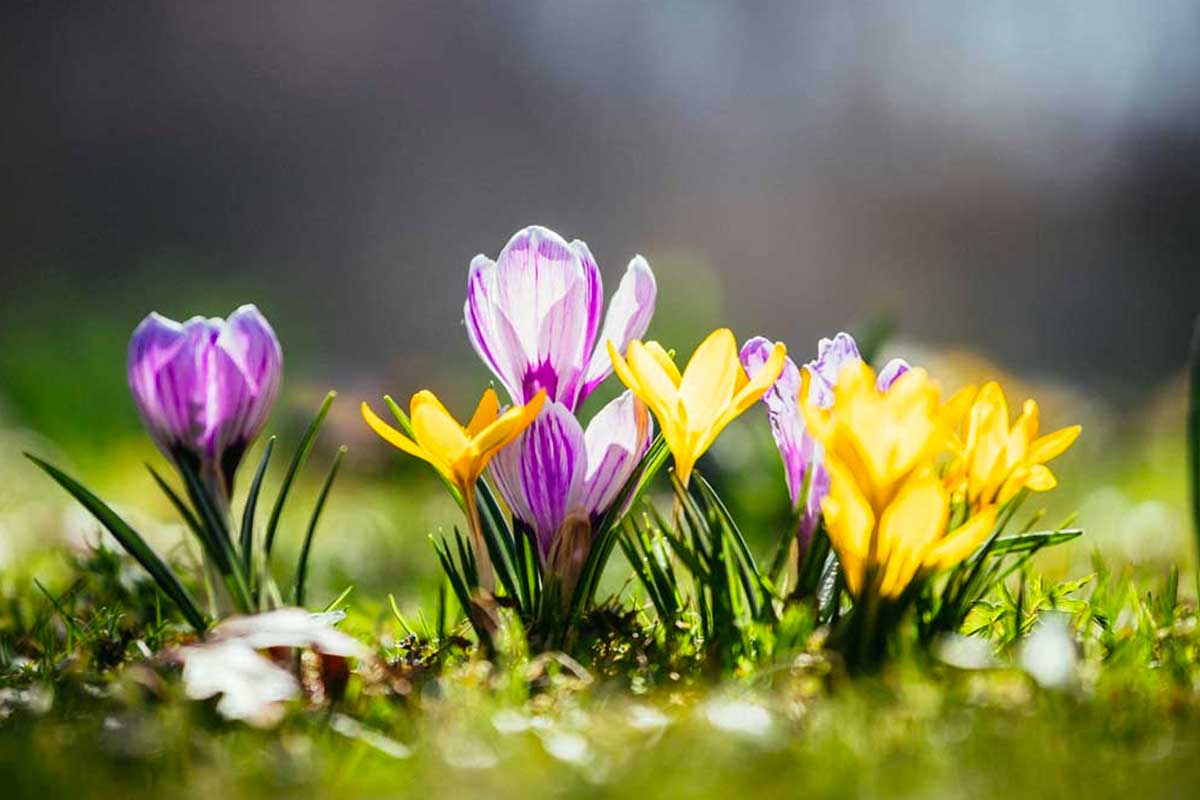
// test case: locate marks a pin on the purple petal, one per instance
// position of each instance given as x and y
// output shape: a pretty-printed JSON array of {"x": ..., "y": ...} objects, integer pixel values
[
  {"x": 250, "y": 343},
  {"x": 832, "y": 355},
  {"x": 628, "y": 317},
  {"x": 783, "y": 412},
  {"x": 890, "y": 372},
  {"x": 540, "y": 475},
  {"x": 595, "y": 293},
  {"x": 484, "y": 326},
  {"x": 616, "y": 439}
]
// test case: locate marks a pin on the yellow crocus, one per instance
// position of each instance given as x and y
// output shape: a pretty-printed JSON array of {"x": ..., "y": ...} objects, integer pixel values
[
  {"x": 887, "y": 510},
  {"x": 459, "y": 453},
  {"x": 692, "y": 408},
  {"x": 993, "y": 460}
]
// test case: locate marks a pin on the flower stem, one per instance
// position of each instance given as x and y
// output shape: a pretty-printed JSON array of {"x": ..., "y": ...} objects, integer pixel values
[{"x": 487, "y": 579}]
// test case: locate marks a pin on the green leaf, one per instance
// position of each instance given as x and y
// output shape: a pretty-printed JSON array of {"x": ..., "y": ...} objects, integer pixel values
[
  {"x": 132, "y": 541},
  {"x": 247, "y": 539},
  {"x": 181, "y": 507},
  {"x": 306, "y": 445},
  {"x": 302, "y": 564},
  {"x": 1036, "y": 540},
  {"x": 214, "y": 521}
]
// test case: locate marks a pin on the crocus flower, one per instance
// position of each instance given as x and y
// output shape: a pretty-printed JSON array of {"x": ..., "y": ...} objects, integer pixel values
[
  {"x": 887, "y": 511},
  {"x": 560, "y": 479},
  {"x": 995, "y": 461},
  {"x": 800, "y": 453},
  {"x": 460, "y": 454},
  {"x": 692, "y": 408},
  {"x": 205, "y": 388},
  {"x": 533, "y": 315}
]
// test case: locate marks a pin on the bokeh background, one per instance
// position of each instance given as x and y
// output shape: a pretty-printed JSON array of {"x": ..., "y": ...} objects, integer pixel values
[{"x": 1014, "y": 186}]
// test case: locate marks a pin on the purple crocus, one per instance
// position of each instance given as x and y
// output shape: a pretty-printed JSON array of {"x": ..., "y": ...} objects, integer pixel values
[
  {"x": 559, "y": 479},
  {"x": 799, "y": 451},
  {"x": 533, "y": 315},
  {"x": 204, "y": 388}
]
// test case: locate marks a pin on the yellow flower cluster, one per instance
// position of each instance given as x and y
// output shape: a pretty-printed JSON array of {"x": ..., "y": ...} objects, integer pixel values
[{"x": 888, "y": 512}]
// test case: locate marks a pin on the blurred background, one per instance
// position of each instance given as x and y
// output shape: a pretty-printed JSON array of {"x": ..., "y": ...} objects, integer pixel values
[{"x": 1014, "y": 186}]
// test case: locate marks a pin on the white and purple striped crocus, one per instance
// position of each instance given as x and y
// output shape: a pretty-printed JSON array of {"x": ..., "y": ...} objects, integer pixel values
[
  {"x": 559, "y": 479},
  {"x": 800, "y": 453},
  {"x": 534, "y": 315},
  {"x": 204, "y": 388}
]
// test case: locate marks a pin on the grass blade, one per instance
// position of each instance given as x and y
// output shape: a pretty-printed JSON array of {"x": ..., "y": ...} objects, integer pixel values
[
  {"x": 132, "y": 541},
  {"x": 302, "y": 564},
  {"x": 246, "y": 544},
  {"x": 306, "y": 445}
]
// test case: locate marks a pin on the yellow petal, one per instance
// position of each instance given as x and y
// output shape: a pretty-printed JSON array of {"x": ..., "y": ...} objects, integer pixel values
[
  {"x": 1023, "y": 432},
  {"x": 752, "y": 390},
  {"x": 850, "y": 523},
  {"x": 504, "y": 429},
  {"x": 657, "y": 387},
  {"x": 621, "y": 368},
  {"x": 956, "y": 408},
  {"x": 1040, "y": 479},
  {"x": 485, "y": 412},
  {"x": 912, "y": 522},
  {"x": 709, "y": 379},
  {"x": 664, "y": 360},
  {"x": 961, "y": 542},
  {"x": 1053, "y": 444},
  {"x": 400, "y": 441},
  {"x": 435, "y": 430}
]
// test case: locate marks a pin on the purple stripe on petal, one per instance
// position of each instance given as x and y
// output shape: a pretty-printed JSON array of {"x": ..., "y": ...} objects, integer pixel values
[
  {"x": 628, "y": 317},
  {"x": 540, "y": 475},
  {"x": 890, "y": 372},
  {"x": 595, "y": 293},
  {"x": 616, "y": 439}
]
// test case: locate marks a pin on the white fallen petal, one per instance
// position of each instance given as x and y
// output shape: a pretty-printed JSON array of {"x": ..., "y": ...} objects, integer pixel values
[
  {"x": 252, "y": 687},
  {"x": 291, "y": 627}
]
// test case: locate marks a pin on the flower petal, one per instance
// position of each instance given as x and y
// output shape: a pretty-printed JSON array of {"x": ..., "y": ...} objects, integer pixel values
[
  {"x": 1053, "y": 444},
  {"x": 890, "y": 372},
  {"x": 616, "y": 439},
  {"x": 435, "y": 429},
  {"x": 908, "y": 527},
  {"x": 541, "y": 474},
  {"x": 482, "y": 314},
  {"x": 401, "y": 442},
  {"x": 832, "y": 356},
  {"x": 487, "y": 411},
  {"x": 505, "y": 429},
  {"x": 251, "y": 342},
  {"x": 544, "y": 290},
  {"x": 709, "y": 379},
  {"x": 960, "y": 543},
  {"x": 629, "y": 314}
]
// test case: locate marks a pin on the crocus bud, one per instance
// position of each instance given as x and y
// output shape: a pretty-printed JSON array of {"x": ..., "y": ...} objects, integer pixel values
[{"x": 204, "y": 388}]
